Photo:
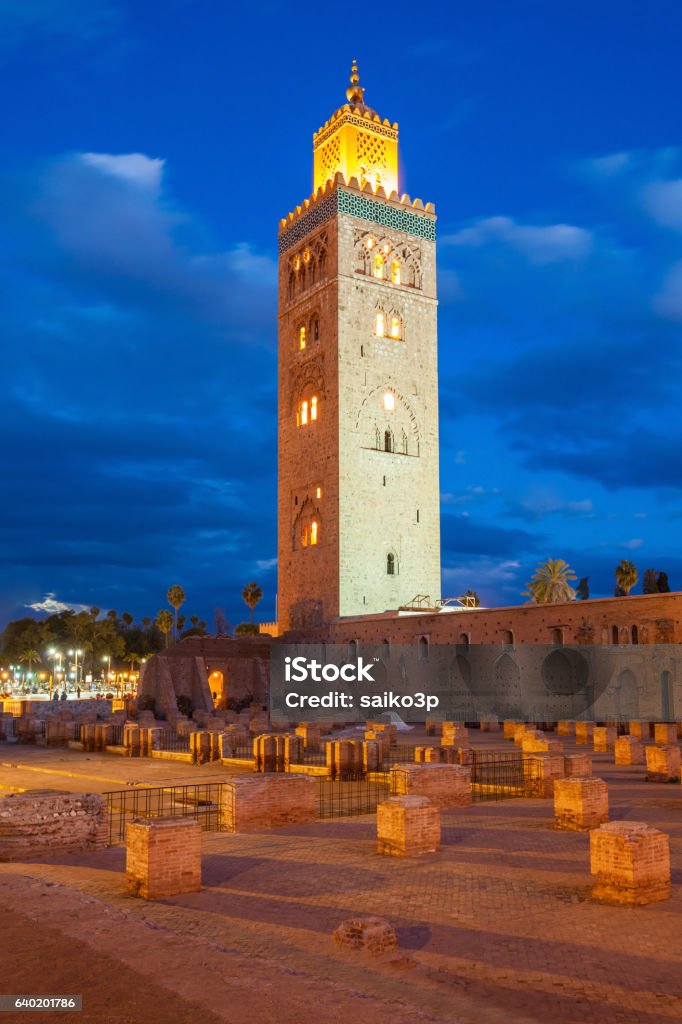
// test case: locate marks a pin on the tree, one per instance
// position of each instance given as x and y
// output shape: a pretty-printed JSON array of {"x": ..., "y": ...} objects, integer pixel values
[
  {"x": 164, "y": 621},
  {"x": 649, "y": 582},
  {"x": 550, "y": 583},
  {"x": 30, "y": 654},
  {"x": 222, "y": 626},
  {"x": 134, "y": 659},
  {"x": 662, "y": 584},
  {"x": 112, "y": 614},
  {"x": 626, "y": 576},
  {"x": 471, "y": 599},
  {"x": 147, "y": 622},
  {"x": 251, "y": 595},
  {"x": 127, "y": 618},
  {"x": 246, "y": 629},
  {"x": 582, "y": 592},
  {"x": 176, "y": 597},
  {"x": 95, "y": 613}
]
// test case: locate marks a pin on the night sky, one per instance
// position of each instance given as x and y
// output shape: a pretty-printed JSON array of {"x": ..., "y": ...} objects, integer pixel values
[{"x": 148, "y": 150}]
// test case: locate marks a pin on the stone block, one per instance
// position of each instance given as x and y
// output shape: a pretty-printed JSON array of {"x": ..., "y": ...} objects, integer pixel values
[
  {"x": 536, "y": 742},
  {"x": 489, "y": 724},
  {"x": 577, "y": 765},
  {"x": 583, "y": 733},
  {"x": 640, "y": 730},
  {"x": 580, "y": 804},
  {"x": 49, "y": 823},
  {"x": 446, "y": 785},
  {"x": 604, "y": 738},
  {"x": 665, "y": 733},
  {"x": 628, "y": 750},
  {"x": 370, "y": 935},
  {"x": 662, "y": 763},
  {"x": 509, "y": 727},
  {"x": 565, "y": 728},
  {"x": 254, "y": 802},
  {"x": 631, "y": 863},
  {"x": 163, "y": 857},
  {"x": 408, "y": 826}
]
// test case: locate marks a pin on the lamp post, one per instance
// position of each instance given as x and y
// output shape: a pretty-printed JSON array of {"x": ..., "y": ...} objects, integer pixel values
[
  {"x": 75, "y": 654},
  {"x": 107, "y": 659},
  {"x": 55, "y": 655}
]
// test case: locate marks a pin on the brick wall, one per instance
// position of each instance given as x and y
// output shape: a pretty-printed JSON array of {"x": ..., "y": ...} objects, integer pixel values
[
  {"x": 163, "y": 857},
  {"x": 267, "y": 801},
  {"x": 40, "y": 823}
]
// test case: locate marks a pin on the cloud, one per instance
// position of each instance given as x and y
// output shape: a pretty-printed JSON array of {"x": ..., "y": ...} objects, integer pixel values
[
  {"x": 551, "y": 243},
  {"x": 633, "y": 544},
  {"x": 265, "y": 564},
  {"x": 611, "y": 165},
  {"x": 663, "y": 201},
  {"x": 139, "y": 170},
  {"x": 51, "y": 606},
  {"x": 493, "y": 581}
]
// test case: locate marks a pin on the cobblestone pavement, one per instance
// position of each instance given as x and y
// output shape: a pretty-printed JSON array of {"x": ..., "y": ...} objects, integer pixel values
[{"x": 498, "y": 926}]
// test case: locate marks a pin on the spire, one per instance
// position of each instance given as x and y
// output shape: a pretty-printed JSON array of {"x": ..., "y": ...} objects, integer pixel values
[{"x": 355, "y": 92}]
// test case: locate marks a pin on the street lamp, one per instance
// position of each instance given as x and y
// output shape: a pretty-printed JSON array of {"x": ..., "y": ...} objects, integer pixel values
[
  {"x": 107, "y": 659},
  {"x": 55, "y": 655},
  {"x": 75, "y": 654}
]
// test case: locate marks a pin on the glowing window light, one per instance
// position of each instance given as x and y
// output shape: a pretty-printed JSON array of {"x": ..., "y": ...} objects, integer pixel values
[
  {"x": 301, "y": 337},
  {"x": 318, "y": 492},
  {"x": 304, "y": 413},
  {"x": 370, "y": 243},
  {"x": 313, "y": 407},
  {"x": 313, "y": 532},
  {"x": 395, "y": 272},
  {"x": 381, "y": 325},
  {"x": 395, "y": 327},
  {"x": 389, "y": 402},
  {"x": 379, "y": 266}
]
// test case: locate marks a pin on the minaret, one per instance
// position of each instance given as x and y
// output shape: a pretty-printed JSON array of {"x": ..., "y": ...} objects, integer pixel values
[{"x": 358, "y": 492}]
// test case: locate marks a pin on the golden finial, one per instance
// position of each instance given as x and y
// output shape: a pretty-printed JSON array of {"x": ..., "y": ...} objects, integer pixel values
[{"x": 355, "y": 92}]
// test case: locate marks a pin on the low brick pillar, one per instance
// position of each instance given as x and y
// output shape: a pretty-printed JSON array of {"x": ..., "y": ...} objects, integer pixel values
[
  {"x": 349, "y": 757},
  {"x": 154, "y": 738},
  {"x": 388, "y": 728},
  {"x": 665, "y": 734},
  {"x": 200, "y": 747},
  {"x": 509, "y": 727},
  {"x": 253, "y": 802},
  {"x": 628, "y": 750},
  {"x": 577, "y": 765},
  {"x": 446, "y": 785},
  {"x": 44, "y": 823},
  {"x": 603, "y": 738},
  {"x": 163, "y": 857},
  {"x": 580, "y": 804},
  {"x": 454, "y": 734},
  {"x": 662, "y": 763},
  {"x": 310, "y": 735},
  {"x": 437, "y": 755},
  {"x": 408, "y": 826},
  {"x": 536, "y": 742},
  {"x": 541, "y": 772},
  {"x": 583, "y": 733},
  {"x": 433, "y": 727},
  {"x": 520, "y": 731},
  {"x": 131, "y": 739},
  {"x": 370, "y": 935},
  {"x": 640, "y": 730},
  {"x": 565, "y": 728},
  {"x": 631, "y": 862},
  {"x": 489, "y": 724},
  {"x": 88, "y": 736}
]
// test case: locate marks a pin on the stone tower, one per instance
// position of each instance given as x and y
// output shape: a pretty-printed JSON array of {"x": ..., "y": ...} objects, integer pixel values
[{"x": 358, "y": 494}]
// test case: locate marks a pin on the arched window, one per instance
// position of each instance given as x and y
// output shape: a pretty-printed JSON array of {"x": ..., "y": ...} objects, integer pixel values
[
  {"x": 302, "y": 417},
  {"x": 423, "y": 649},
  {"x": 313, "y": 407},
  {"x": 464, "y": 639},
  {"x": 304, "y": 535},
  {"x": 389, "y": 402},
  {"x": 306, "y": 411},
  {"x": 386, "y": 650},
  {"x": 390, "y": 564},
  {"x": 395, "y": 272},
  {"x": 558, "y": 637},
  {"x": 301, "y": 337},
  {"x": 379, "y": 266},
  {"x": 396, "y": 328},
  {"x": 313, "y": 532},
  {"x": 315, "y": 329},
  {"x": 634, "y": 634},
  {"x": 388, "y": 441},
  {"x": 614, "y": 635},
  {"x": 507, "y": 638},
  {"x": 292, "y": 285},
  {"x": 380, "y": 328}
]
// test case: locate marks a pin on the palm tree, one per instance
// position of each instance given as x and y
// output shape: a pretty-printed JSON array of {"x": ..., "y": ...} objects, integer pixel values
[
  {"x": 176, "y": 597},
  {"x": 164, "y": 621},
  {"x": 251, "y": 594},
  {"x": 94, "y": 613},
  {"x": 626, "y": 576},
  {"x": 30, "y": 655},
  {"x": 133, "y": 659},
  {"x": 127, "y": 618},
  {"x": 550, "y": 583}
]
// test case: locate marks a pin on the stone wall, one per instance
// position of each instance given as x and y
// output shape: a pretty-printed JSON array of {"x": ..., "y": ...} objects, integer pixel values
[
  {"x": 42, "y": 823},
  {"x": 267, "y": 801}
]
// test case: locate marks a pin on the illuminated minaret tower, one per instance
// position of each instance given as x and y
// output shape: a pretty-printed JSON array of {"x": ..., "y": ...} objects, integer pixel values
[{"x": 358, "y": 495}]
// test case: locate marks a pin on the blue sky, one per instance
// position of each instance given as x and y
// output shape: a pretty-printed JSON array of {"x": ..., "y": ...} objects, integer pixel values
[{"x": 147, "y": 153}]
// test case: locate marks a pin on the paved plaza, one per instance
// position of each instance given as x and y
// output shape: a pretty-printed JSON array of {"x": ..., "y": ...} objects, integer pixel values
[{"x": 497, "y": 926}]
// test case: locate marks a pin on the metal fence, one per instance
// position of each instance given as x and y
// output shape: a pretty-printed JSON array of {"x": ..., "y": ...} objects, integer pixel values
[
  {"x": 169, "y": 740},
  {"x": 200, "y": 801},
  {"x": 117, "y": 735},
  {"x": 499, "y": 775},
  {"x": 352, "y": 794}
]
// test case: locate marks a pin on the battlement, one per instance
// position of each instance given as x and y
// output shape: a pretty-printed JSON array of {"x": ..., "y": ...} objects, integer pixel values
[{"x": 357, "y": 114}]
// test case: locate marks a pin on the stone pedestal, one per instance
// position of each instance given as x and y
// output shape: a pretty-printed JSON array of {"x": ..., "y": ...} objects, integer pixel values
[
  {"x": 454, "y": 734},
  {"x": 408, "y": 826},
  {"x": 640, "y": 730},
  {"x": 163, "y": 857},
  {"x": 436, "y": 755},
  {"x": 254, "y": 802},
  {"x": 370, "y": 935},
  {"x": 577, "y": 765},
  {"x": 536, "y": 742},
  {"x": 433, "y": 727},
  {"x": 446, "y": 785},
  {"x": 662, "y": 763},
  {"x": 583, "y": 733},
  {"x": 509, "y": 727},
  {"x": 311, "y": 736},
  {"x": 565, "y": 728},
  {"x": 665, "y": 734},
  {"x": 631, "y": 862},
  {"x": 542, "y": 770},
  {"x": 604, "y": 738},
  {"x": 580, "y": 804},
  {"x": 628, "y": 750}
]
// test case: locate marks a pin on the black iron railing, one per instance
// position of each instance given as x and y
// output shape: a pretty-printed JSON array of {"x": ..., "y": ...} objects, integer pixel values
[
  {"x": 169, "y": 740},
  {"x": 499, "y": 775},
  {"x": 200, "y": 801},
  {"x": 342, "y": 797}
]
